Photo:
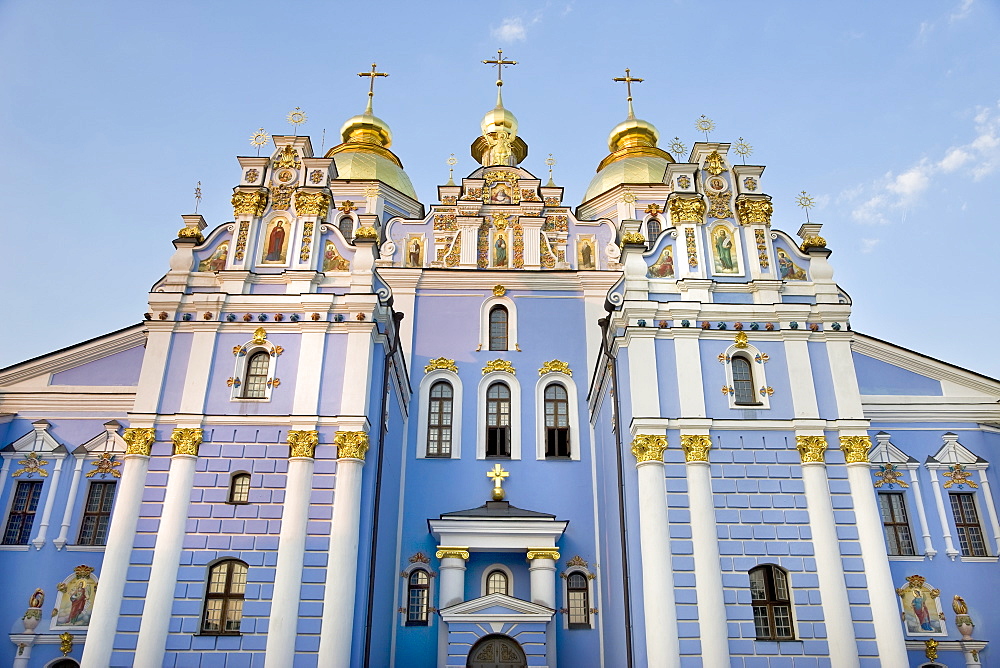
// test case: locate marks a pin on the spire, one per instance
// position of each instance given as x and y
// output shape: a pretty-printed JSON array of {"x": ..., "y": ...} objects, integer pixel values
[
  {"x": 628, "y": 79},
  {"x": 500, "y": 63},
  {"x": 499, "y": 143}
]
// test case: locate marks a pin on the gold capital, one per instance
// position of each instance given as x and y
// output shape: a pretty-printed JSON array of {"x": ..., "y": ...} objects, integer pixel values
[
  {"x": 441, "y": 363},
  {"x": 140, "y": 440},
  {"x": 186, "y": 441},
  {"x": 687, "y": 209},
  {"x": 633, "y": 238},
  {"x": 250, "y": 203},
  {"x": 302, "y": 443},
  {"x": 855, "y": 448},
  {"x": 811, "y": 448},
  {"x": 311, "y": 203},
  {"x": 543, "y": 553},
  {"x": 696, "y": 447},
  {"x": 366, "y": 232},
  {"x": 648, "y": 448},
  {"x": 452, "y": 553},
  {"x": 754, "y": 210},
  {"x": 351, "y": 444}
]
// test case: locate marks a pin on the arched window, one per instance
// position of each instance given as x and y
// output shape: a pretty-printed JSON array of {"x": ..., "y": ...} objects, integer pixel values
[
  {"x": 496, "y": 583},
  {"x": 556, "y": 421},
  {"x": 417, "y": 596},
  {"x": 578, "y": 596},
  {"x": 239, "y": 488},
  {"x": 255, "y": 386},
  {"x": 498, "y": 420},
  {"x": 498, "y": 328},
  {"x": 653, "y": 229},
  {"x": 743, "y": 380},
  {"x": 439, "y": 420},
  {"x": 346, "y": 226},
  {"x": 771, "y": 600},
  {"x": 227, "y": 582}
]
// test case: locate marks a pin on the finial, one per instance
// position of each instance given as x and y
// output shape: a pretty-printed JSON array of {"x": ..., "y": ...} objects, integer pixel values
[
  {"x": 806, "y": 202},
  {"x": 322, "y": 143},
  {"x": 296, "y": 117},
  {"x": 258, "y": 139},
  {"x": 497, "y": 474},
  {"x": 371, "y": 84},
  {"x": 677, "y": 147},
  {"x": 744, "y": 149},
  {"x": 704, "y": 124},
  {"x": 500, "y": 63},
  {"x": 452, "y": 161},
  {"x": 197, "y": 196},
  {"x": 550, "y": 161},
  {"x": 628, "y": 79}
]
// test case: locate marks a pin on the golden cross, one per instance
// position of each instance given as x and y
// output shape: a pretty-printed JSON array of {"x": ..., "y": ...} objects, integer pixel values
[
  {"x": 628, "y": 79},
  {"x": 371, "y": 80},
  {"x": 500, "y": 62},
  {"x": 497, "y": 474}
]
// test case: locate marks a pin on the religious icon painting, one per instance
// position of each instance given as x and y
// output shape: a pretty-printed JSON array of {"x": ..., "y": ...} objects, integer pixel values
[
  {"x": 664, "y": 265},
  {"x": 217, "y": 260},
  {"x": 415, "y": 250},
  {"x": 500, "y": 250},
  {"x": 724, "y": 251},
  {"x": 332, "y": 260},
  {"x": 716, "y": 184},
  {"x": 922, "y": 614},
  {"x": 75, "y": 600},
  {"x": 586, "y": 255},
  {"x": 275, "y": 242},
  {"x": 501, "y": 194},
  {"x": 788, "y": 269}
]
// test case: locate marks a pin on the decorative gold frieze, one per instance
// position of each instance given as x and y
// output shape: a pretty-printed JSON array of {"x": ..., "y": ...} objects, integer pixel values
[
  {"x": 186, "y": 440},
  {"x": 441, "y": 363},
  {"x": 241, "y": 240},
  {"x": 648, "y": 448},
  {"x": 754, "y": 211},
  {"x": 720, "y": 205},
  {"x": 811, "y": 448},
  {"x": 31, "y": 465},
  {"x": 366, "y": 232},
  {"x": 692, "y": 248},
  {"x": 696, "y": 447},
  {"x": 302, "y": 443},
  {"x": 106, "y": 465},
  {"x": 139, "y": 440},
  {"x": 543, "y": 553},
  {"x": 250, "y": 203},
  {"x": 555, "y": 366},
  {"x": 855, "y": 448},
  {"x": 311, "y": 203},
  {"x": 633, "y": 238},
  {"x": 351, "y": 444},
  {"x": 687, "y": 209},
  {"x": 287, "y": 157},
  {"x": 813, "y": 241},
  {"x": 281, "y": 197},
  {"x": 499, "y": 365},
  {"x": 452, "y": 553}
]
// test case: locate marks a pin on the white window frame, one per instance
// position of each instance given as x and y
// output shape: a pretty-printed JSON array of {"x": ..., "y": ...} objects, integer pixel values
[
  {"x": 574, "y": 414},
  {"x": 591, "y": 577},
  {"x": 515, "y": 413},
  {"x": 751, "y": 353},
  {"x": 354, "y": 226},
  {"x": 404, "y": 606},
  {"x": 496, "y": 567},
  {"x": 423, "y": 412},
  {"x": 250, "y": 349},
  {"x": 484, "y": 323}
]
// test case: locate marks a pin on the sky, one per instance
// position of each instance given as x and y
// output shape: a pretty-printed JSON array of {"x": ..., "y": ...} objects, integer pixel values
[{"x": 887, "y": 113}]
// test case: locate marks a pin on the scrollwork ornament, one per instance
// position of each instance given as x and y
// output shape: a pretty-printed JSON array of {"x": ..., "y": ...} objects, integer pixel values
[
  {"x": 139, "y": 440},
  {"x": 543, "y": 553},
  {"x": 812, "y": 241},
  {"x": 499, "y": 365},
  {"x": 302, "y": 443},
  {"x": 105, "y": 465},
  {"x": 555, "y": 366},
  {"x": 648, "y": 448},
  {"x": 351, "y": 444},
  {"x": 31, "y": 465},
  {"x": 811, "y": 448},
  {"x": 855, "y": 448},
  {"x": 696, "y": 447},
  {"x": 186, "y": 440},
  {"x": 441, "y": 363}
]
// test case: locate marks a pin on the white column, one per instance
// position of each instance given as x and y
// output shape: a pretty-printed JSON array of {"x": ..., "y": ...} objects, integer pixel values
[
  {"x": 662, "y": 645},
  {"x": 452, "y": 580},
  {"x": 885, "y": 613},
  {"x": 22, "y": 653},
  {"x": 918, "y": 499},
  {"x": 829, "y": 567},
  {"x": 50, "y": 500},
  {"x": 128, "y": 499},
  {"x": 542, "y": 572},
  {"x": 714, "y": 630},
  {"x": 342, "y": 565},
  {"x": 74, "y": 485},
  {"x": 949, "y": 545},
  {"x": 159, "y": 600},
  {"x": 283, "y": 621},
  {"x": 991, "y": 508}
]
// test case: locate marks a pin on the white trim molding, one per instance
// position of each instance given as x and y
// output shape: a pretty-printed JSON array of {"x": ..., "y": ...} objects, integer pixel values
[
  {"x": 577, "y": 565},
  {"x": 575, "y": 436},
  {"x": 496, "y": 567},
  {"x": 423, "y": 412},
  {"x": 515, "y": 413},
  {"x": 484, "y": 322},
  {"x": 757, "y": 361}
]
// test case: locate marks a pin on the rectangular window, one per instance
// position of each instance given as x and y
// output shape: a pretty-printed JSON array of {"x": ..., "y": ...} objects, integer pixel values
[
  {"x": 22, "y": 512},
  {"x": 97, "y": 514},
  {"x": 970, "y": 533},
  {"x": 895, "y": 524}
]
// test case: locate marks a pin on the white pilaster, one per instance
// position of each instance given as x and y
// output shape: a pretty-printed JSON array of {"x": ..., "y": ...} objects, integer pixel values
[
  {"x": 199, "y": 366},
  {"x": 22, "y": 654},
  {"x": 949, "y": 545},
  {"x": 307, "y": 378},
  {"x": 918, "y": 499},
  {"x": 690, "y": 390},
  {"x": 800, "y": 380},
  {"x": 542, "y": 573},
  {"x": 74, "y": 485},
  {"x": 50, "y": 500},
  {"x": 452, "y": 580}
]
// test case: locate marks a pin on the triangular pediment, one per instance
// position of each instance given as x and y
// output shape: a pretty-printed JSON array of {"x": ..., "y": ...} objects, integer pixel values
[
  {"x": 37, "y": 440},
  {"x": 953, "y": 452},
  {"x": 108, "y": 440},
  {"x": 496, "y": 607},
  {"x": 885, "y": 452}
]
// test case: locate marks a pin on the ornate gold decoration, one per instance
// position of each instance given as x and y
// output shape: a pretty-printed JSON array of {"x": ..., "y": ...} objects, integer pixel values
[
  {"x": 648, "y": 448},
  {"x": 347, "y": 206},
  {"x": 302, "y": 443},
  {"x": 241, "y": 240},
  {"x": 452, "y": 553},
  {"x": 499, "y": 290},
  {"x": 140, "y": 440},
  {"x": 441, "y": 363},
  {"x": 577, "y": 561},
  {"x": 653, "y": 209},
  {"x": 287, "y": 158},
  {"x": 855, "y": 448},
  {"x": 249, "y": 203},
  {"x": 696, "y": 447},
  {"x": 257, "y": 140},
  {"x": 500, "y": 220},
  {"x": 281, "y": 197},
  {"x": 497, "y": 475},
  {"x": 805, "y": 201},
  {"x": 311, "y": 203},
  {"x": 692, "y": 248},
  {"x": 105, "y": 465},
  {"x": 957, "y": 476},
  {"x": 811, "y": 448},
  {"x": 633, "y": 238},
  {"x": 628, "y": 196},
  {"x": 930, "y": 649},
  {"x": 720, "y": 205},
  {"x": 420, "y": 557},
  {"x": 190, "y": 233},
  {"x": 812, "y": 241},
  {"x": 543, "y": 553},
  {"x": 351, "y": 444},
  {"x": 307, "y": 238},
  {"x": 65, "y": 642},
  {"x": 316, "y": 176},
  {"x": 499, "y": 365},
  {"x": 889, "y": 475},
  {"x": 741, "y": 340},
  {"x": 959, "y": 606},
  {"x": 761, "y": 241},
  {"x": 704, "y": 124},
  {"x": 259, "y": 336},
  {"x": 754, "y": 211},
  {"x": 555, "y": 366},
  {"x": 366, "y": 232},
  {"x": 715, "y": 164},
  {"x": 30, "y": 465},
  {"x": 186, "y": 440},
  {"x": 742, "y": 148},
  {"x": 687, "y": 209},
  {"x": 296, "y": 117}
]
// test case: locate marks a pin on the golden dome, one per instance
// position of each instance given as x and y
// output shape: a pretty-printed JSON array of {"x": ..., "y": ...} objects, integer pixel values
[
  {"x": 634, "y": 157},
  {"x": 366, "y": 128},
  {"x": 364, "y": 154},
  {"x": 499, "y": 118},
  {"x": 633, "y": 132}
]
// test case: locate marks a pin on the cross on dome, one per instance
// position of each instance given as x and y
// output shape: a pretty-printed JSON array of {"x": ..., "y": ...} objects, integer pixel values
[
  {"x": 628, "y": 79},
  {"x": 371, "y": 83}
]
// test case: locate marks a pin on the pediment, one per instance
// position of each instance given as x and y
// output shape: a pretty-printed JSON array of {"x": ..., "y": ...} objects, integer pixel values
[
  {"x": 885, "y": 452},
  {"x": 37, "y": 440},
  {"x": 496, "y": 608},
  {"x": 108, "y": 440},
  {"x": 953, "y": 452}
]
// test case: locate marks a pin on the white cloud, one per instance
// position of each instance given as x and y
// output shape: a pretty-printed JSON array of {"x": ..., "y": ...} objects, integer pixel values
[
  {"x": 868, "y": 245},
  {"x": 511, "y": 30},
  {"x": 963, "y": 10},
  {"x": 910, "y": 183},
  {"x": 954, "y": 159}
]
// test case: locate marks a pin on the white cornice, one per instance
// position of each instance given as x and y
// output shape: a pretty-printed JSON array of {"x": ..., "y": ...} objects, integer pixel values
[{"x": 74, "y": 356}]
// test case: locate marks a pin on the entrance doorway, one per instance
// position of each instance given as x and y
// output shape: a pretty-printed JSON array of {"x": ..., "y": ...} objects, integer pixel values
[{"x": 497, "y": 652}]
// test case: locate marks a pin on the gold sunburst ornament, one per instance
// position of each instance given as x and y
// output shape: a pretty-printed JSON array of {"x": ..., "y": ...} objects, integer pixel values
[
  {"x": 296, "y": 117},
  {"x": 550, "y": 161},
  {"x": 677, "y": 147},
  {"x": 805, "y": 201},
  {"x": 258, "y": 139},
  {"x": 704, "y": 124},
  {"x": 743, "y": 149},
  {"x": 452, "y": 161}
]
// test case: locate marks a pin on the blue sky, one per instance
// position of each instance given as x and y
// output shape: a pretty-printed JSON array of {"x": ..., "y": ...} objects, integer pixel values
[{"x": 887, "y": 113}]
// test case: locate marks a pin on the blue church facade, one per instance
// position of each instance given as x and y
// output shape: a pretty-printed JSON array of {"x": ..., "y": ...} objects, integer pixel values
[{"x": 497, "y": 430}]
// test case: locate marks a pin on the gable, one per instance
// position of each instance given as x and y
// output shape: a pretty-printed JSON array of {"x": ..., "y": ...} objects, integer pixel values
[
  {"x": 882, "y": 378},
  {"x": 121, "y": 368}
]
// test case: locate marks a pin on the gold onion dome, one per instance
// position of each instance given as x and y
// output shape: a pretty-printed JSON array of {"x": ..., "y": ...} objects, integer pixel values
[
  {"x": 364, "y": 154},
  {"x": 498, "y": 119},
  {"x": 634, "y": 157}
]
